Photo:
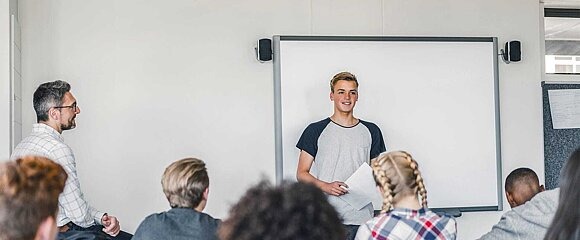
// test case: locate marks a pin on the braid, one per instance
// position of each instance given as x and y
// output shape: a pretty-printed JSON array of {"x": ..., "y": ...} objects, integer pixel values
[
  {"x": 384, "y": 182},
  {"x": 397, "y": 173},
  {"x": 418, "y": 180}
]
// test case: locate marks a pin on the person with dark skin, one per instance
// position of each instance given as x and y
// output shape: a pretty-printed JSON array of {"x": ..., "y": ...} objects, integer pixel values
[{"x": 521, "y": 185}]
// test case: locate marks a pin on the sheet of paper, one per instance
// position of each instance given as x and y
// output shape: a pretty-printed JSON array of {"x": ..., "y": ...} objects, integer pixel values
[
  {"x": 362, "y": 189},
  {"x": 565, "y": 108}
]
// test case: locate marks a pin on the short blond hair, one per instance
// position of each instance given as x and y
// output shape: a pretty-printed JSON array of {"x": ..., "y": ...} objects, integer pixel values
[
  {"x": 184, "y": 182},
  {"x": 346, "y": 76}
]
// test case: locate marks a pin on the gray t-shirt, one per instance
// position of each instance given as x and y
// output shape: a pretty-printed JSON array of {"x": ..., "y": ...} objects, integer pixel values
[{"x": 338, "y": 152}]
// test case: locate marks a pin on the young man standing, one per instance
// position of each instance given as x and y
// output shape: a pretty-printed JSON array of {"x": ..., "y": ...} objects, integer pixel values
[
  {"x": 56, "y": 109},
  {"x": 336, "y": 147}
]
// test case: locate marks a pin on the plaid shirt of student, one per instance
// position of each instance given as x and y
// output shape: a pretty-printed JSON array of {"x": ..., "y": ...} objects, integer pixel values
[{"x": 401, "y": 223}]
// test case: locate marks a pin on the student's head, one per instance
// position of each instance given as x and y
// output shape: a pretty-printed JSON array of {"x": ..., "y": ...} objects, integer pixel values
[
  {"x": 186, "y": 184},
  {"x": 521, "y": 185},
  {"x": 290, "y": 211},
  {"x": 566, "y": 223},
  {"x": 342, "y": 76},
  {"x": 344, "y": 91},
  {"x": 29, "y": 190},
  {"x": 54, "y": 104},
  {"x": 397, "y": 176}
]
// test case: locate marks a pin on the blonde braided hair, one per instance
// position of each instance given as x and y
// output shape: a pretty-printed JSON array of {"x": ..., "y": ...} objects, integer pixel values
[
  {"x": 397, "y": 174},
  {"x": 383, "y": 181}
]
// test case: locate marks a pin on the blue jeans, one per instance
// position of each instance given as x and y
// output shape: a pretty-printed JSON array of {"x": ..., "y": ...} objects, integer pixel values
[
  {"x": 94, "y": 232},
  {"x": 351, "y": 231}
]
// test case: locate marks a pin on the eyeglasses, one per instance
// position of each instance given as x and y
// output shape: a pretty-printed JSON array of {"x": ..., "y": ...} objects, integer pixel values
[{"x": 73, "y": 106}]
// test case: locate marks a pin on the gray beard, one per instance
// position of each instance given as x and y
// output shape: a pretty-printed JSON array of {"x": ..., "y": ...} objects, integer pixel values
[{"x": 70, "y": 125}]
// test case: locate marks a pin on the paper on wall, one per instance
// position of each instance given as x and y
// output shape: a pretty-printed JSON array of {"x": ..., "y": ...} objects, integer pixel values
[{"x": 565, "y": 108}]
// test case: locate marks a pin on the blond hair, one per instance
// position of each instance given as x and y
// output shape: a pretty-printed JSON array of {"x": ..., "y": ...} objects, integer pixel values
[
  {"x": 184, "y": 182},
  {"x": 345, "y": 76},
  {"x": 397, "y": 174}
]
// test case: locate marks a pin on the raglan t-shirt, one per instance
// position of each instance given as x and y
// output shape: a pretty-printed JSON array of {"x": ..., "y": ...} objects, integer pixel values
[{"x": 338, "y": 152}]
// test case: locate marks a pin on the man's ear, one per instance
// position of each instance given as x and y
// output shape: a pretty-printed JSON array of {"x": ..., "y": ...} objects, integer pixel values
[
  {"x": 331, "y": 96},
  {"x": 53, "y": 113},
  {"x": 510, "y": 200},
  {"x": 47, "y": 229},
  {"x": 206, "y": 193},
  {"x": 542, "y": 188}
]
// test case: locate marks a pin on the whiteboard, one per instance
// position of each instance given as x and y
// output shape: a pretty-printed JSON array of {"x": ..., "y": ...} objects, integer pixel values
[{"x": 435, "y": 97}]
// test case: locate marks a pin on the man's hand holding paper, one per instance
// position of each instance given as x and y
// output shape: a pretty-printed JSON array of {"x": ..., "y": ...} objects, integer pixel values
[{"x": 362, "y": 188}]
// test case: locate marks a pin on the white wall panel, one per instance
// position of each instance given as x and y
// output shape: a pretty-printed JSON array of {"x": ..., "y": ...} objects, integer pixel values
[{"x": 160, "y": 80}]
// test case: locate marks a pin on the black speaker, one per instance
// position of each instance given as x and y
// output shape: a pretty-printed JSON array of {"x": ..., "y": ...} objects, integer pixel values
[
  {"x": 513, "y": 51},
  {"x": 264, "y": 50}
]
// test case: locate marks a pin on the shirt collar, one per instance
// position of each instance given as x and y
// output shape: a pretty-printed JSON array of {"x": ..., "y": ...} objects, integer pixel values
[
  {"x": 409, "y": 212},
  {"x": 43, "y": 128}
]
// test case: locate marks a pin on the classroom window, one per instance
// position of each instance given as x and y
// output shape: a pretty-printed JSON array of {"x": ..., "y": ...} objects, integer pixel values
[{"x": 562, "y": 35}]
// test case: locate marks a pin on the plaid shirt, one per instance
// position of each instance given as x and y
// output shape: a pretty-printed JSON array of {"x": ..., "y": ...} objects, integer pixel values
[
  {"x": 72, "y": 206},
  {"x": 401, "y": 223}
]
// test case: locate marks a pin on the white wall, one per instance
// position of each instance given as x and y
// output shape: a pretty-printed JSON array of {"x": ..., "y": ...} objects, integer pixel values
[
  {"x": 4, "y": 79},
  {"x": 8, "y": 125},
  {"x": 520, "y": 90},
  {"x": 160, "y": 80}
]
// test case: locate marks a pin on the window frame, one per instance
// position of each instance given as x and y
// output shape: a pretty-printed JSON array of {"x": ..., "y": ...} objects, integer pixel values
[{"x": 568, "y": 12}]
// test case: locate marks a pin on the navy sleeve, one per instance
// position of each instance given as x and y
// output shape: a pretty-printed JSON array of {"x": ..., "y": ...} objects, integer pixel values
[
  {"x": 378, "y": 144},
  {"x": 308, "y": 142}
]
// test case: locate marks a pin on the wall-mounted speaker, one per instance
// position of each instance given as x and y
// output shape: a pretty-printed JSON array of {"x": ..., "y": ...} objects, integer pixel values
[
  {"x": 512, "y": 52},
  {"x": 264, "y": 50}
]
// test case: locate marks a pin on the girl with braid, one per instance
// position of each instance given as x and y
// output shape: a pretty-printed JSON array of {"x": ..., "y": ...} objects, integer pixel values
[{"x": 404, "y": 214}]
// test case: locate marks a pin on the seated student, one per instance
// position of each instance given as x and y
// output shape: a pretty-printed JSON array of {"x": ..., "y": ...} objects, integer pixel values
[
  {"x": 403, "y": 216},
  {"x": 566, "y": 224},
  {"x": 29, "y": 189},
  {"x": 290, "y": 211},
  {"x": 521, "y": 185},
  {"x": 528, "y": 221},
  {"x": 186, "y": 186}
]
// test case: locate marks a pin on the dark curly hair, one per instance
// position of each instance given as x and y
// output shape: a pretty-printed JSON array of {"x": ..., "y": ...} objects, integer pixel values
[{"x": 289, "y": 211}]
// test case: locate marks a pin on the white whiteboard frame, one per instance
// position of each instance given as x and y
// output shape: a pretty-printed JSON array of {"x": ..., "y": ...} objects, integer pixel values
[{"x": 496, "y": 123}]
